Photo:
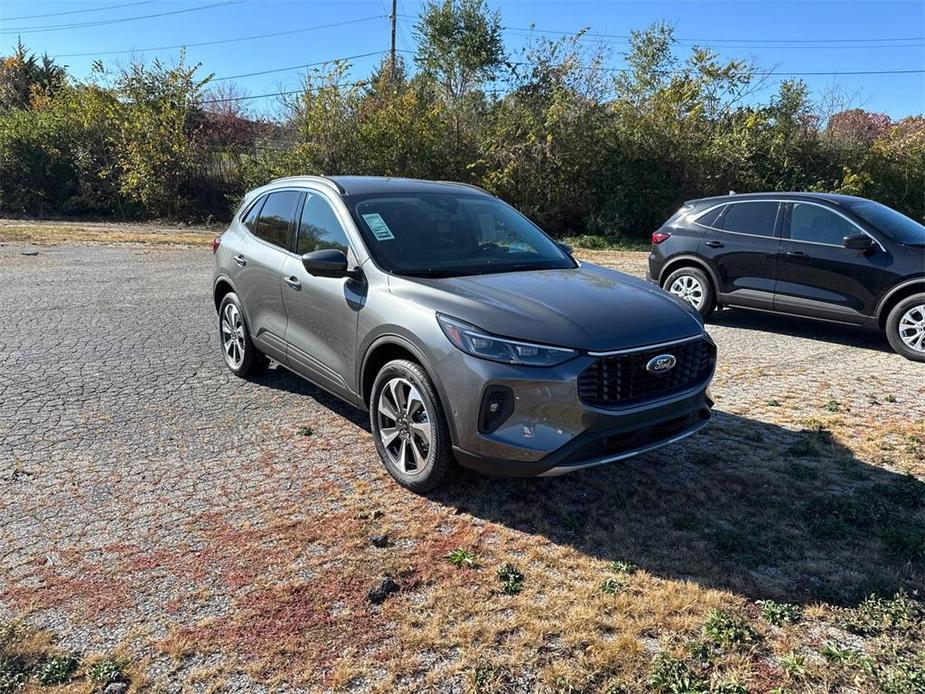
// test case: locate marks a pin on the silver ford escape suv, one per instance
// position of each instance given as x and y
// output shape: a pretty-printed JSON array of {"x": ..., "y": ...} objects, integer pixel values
[{"x": 467, "y": 333}]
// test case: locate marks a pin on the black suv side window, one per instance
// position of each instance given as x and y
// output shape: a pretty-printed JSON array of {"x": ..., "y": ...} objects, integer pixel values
[
  {"x": 276, "y": 217},
  {"x": 819, "y": 225},
  {"x": 755, "y": 218},
  {"x": 319, "y": 227},
  {"x": 710, "y": 218}
]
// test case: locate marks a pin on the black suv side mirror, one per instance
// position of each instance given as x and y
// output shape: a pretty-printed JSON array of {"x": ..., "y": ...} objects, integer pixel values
[
  {"x": 328, "y": 262},
  {"x": 858, "y": 242},
  {"x": 565, "y": 247}
]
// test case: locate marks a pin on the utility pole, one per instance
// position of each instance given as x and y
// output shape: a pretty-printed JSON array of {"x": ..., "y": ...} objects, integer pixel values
[{"x": 394, "y": 18}]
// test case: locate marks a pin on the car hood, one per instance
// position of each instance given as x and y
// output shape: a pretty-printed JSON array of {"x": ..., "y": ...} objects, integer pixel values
[{"x": 588, "y": 307}]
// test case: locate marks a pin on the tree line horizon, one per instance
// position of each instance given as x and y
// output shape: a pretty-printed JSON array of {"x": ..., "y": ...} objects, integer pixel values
[{"x": 581, "y": 147}]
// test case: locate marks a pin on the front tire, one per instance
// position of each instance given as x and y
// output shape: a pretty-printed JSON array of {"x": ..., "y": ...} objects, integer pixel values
[
  {"x": 905, "y": 327},
  {"x": 693, "y": 286},
  {"x": 242, "y": 358},
  {"x": 409, "y": 426}
]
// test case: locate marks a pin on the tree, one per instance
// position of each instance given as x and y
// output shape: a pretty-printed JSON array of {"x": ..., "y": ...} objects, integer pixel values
[{"x": 25, "y": 80}]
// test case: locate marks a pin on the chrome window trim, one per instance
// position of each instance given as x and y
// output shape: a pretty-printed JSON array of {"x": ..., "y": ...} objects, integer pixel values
[
  {"x": 645, "y": 348},
  {"x": 740, "y": 233},
  {"x": 834, "y": 211}
]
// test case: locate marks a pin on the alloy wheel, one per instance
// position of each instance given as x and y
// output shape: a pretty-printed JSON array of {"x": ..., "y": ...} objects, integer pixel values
[
  {"x": 404, "y": 425},
  {"x": 912, "y": 328},
  {"x": 689, "y": 289},
  {"x": 233, "y": 344}
]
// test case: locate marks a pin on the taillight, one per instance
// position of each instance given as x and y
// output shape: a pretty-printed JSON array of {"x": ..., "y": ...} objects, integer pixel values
[
  {"x": 216, "y": 242},
  {"x": 659, "y": 236}
]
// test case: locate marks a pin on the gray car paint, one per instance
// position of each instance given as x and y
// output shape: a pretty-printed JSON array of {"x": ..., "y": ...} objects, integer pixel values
[{"x": 326, "y": 329}]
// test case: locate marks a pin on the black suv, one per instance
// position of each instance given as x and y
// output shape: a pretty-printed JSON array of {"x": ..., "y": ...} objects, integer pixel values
[{"x": 831, "y": 257}]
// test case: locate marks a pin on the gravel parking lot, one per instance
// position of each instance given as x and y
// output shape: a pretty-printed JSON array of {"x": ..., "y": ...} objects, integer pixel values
[{"x": 217, "y": 531}]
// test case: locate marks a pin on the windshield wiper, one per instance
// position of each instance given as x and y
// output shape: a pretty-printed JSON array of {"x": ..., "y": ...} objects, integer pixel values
[{"x": 428, "y": 273}]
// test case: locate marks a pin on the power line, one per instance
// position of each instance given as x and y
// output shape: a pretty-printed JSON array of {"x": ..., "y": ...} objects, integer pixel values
[
  {"x": 736, "y": 40},
  {"x": 89, "y": 9},
  {"x": 283, "y": 93},
  {"x": 106, "y": 22},
  {"x": 297, "y": 67},
  {"x": 223, "y": 41}
]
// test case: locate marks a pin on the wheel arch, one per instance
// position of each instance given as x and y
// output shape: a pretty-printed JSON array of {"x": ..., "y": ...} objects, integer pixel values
[
  {"x": 220, "y": 288},
  {"x": 689, "y": 261},
  {"x": 901, "y": 291},
  {"x": 384, "y": 349}
]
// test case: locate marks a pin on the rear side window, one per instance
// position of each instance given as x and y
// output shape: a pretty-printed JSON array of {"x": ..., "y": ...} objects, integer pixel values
[
  {"x": 819, "y": 225},
  {"x": 250, "y": 219},
  {"x": 319, "y": 228},
  {"x": 756, "y": 218},
  {"x": 709, "y": 219},
  {"x": 276, "y": 217}
]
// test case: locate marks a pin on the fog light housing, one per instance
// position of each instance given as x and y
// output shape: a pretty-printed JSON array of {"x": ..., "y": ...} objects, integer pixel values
[{"x": 497, "y": 406}]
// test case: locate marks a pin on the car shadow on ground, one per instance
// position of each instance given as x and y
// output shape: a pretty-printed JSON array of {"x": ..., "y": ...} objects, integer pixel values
[
  {"x": 743, "y": 506},
  {"x": 807, "y": 328}
]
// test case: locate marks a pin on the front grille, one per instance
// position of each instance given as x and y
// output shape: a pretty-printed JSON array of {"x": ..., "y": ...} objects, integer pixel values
[{"x": 622, "y": 379}]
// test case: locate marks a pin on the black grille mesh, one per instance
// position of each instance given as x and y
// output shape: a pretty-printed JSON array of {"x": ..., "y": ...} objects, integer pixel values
[{"x": 622, "y": 379}]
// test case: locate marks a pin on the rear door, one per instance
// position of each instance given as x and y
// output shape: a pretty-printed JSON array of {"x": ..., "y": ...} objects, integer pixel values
[
  {"x": 819, "y": 277},
  {"x": 323, "y": 311},
  {"x": 741, "y": 241},
  {"x": 261, "y": 260}
]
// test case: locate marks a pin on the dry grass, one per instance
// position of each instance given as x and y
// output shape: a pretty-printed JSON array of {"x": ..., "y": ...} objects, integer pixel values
[{"x": 44, "y": 233}]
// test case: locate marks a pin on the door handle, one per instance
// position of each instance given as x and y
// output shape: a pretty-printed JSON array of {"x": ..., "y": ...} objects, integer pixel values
[
  {"x": 240, "y": 260},
  {"x": 714, "y": 244},
  {"x": 796, "y": 254},
  {"x": 292, "y": 282}
]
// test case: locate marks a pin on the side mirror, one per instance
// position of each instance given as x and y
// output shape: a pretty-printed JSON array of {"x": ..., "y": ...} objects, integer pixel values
[
  {"x": 565, "y": 247},
  {"x": 328, "y": 262},
  {"x": 858, "y": 242}
]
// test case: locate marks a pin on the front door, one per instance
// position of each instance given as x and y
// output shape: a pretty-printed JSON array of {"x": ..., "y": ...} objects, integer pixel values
[
  {"x": 818, "y": 276},
  {"x": 323, "y": 311}
]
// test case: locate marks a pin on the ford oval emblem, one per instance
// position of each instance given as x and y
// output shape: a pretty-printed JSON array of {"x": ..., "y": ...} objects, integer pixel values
[{"x": 661, "y": 363}]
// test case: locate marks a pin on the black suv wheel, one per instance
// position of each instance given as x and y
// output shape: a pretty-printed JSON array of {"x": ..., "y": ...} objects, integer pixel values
[{"x": 905, "y": 327}]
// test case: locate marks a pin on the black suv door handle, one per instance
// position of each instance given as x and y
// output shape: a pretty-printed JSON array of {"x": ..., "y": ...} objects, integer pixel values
[
  {"x": 714, "y": 244},
  {"x": 240, "y": 260},
  {"x": 292, "y": 282},
  {"x": 796, "y": 254}
]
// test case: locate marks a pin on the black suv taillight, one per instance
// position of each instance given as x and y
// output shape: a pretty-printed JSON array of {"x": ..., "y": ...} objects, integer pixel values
[
  {"x": 659, "y": 236},
  {"x": 497, "y": 406}
]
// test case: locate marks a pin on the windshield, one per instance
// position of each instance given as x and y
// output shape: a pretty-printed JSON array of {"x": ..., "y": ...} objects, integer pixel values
[
  {"x": 892, "y": 223},
  {"x": 449, "y": 234}
]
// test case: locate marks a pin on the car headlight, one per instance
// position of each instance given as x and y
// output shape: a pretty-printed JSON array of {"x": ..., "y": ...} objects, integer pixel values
[{"x": 480, "y": 344}]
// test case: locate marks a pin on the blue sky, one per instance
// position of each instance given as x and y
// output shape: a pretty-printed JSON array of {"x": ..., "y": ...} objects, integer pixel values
[{"x": 781, "y": 36}]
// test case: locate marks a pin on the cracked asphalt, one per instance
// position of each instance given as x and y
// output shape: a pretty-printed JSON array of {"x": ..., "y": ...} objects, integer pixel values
[{"x": 123, "y": 438}]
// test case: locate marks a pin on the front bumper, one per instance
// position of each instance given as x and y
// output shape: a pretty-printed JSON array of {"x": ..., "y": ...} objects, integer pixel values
[{"x": 551, "y": 430}]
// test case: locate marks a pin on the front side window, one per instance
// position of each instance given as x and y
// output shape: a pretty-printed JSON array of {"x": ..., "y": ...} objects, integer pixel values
[
  {"x": 818, "y": 225},
  {"x": 319, "y": 227},
  {"x": 755, "y": 218},
  {"x": 445, "y": 234},
  {"x": 276, "y": 217},
  {"x": 894, "y": 224}
]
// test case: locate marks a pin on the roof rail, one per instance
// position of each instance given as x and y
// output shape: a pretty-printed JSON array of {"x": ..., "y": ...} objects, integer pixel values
[
  {"x": 315, "y": 179},
  {"x": 465, "y": 185}
]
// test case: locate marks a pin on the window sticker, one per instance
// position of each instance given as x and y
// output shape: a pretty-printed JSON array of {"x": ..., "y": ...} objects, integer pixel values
[{"x": 378, "y": 226}]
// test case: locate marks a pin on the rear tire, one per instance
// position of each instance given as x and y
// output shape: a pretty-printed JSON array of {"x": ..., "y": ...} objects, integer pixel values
[
  {"x": 241, "y": 356},
  {"x": 692, "y": 285},
  {"x": 905, "y": 327},
  {"x": 409, "y": 427}
]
